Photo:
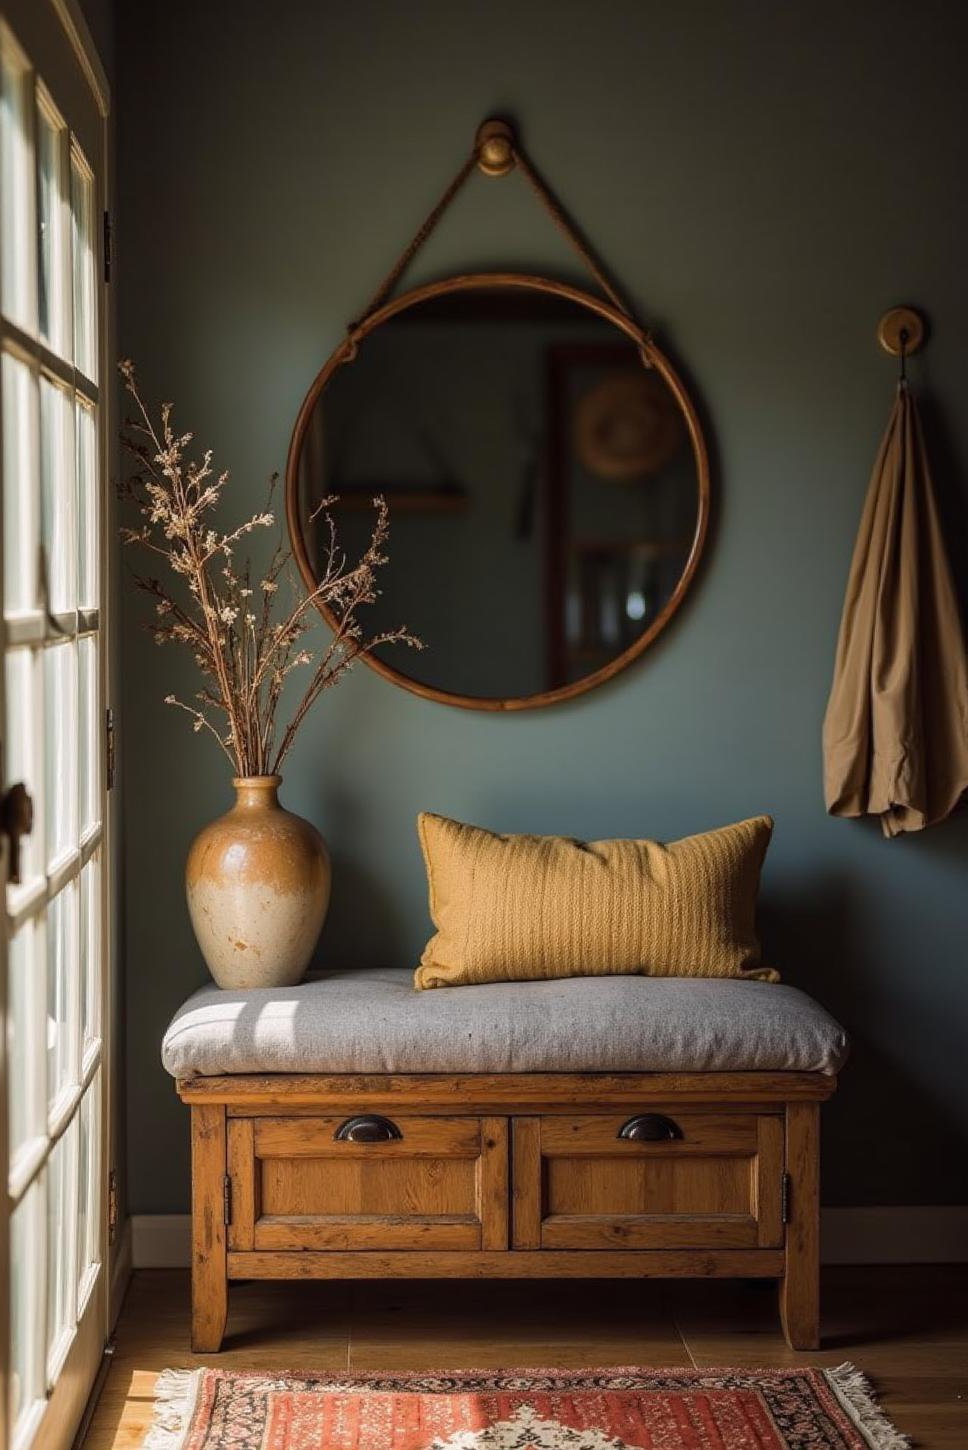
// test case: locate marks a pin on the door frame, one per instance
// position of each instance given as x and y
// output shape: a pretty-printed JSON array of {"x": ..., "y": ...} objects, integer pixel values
[{"x": 39, "y": 29}]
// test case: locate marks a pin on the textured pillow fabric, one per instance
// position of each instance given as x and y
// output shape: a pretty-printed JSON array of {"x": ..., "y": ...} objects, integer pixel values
[{"x": 517, "y": 908}]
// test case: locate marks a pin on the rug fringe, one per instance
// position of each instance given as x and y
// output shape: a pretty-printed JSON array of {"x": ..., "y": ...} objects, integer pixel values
[
  {"x": 175, "y": 1393},
  {"x": 854, "y": 1391}
]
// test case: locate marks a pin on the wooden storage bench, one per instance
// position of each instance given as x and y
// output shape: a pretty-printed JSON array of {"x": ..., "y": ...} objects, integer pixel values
[{"x": 523, "y": 1174}]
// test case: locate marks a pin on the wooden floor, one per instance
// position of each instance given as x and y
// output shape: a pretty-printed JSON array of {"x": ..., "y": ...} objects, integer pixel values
[{"x": 907, "y": 1328}]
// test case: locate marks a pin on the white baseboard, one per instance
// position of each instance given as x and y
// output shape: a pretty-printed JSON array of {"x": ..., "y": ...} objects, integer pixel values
[
  {"x": 161, "y": 1240},
  {"x": 889, "y": 1235}
]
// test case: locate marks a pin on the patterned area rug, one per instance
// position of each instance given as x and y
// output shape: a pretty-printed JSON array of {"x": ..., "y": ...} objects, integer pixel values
[{"x": 603, "y": 1409}]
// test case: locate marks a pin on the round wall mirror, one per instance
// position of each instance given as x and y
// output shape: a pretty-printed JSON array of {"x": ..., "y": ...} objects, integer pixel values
[{"x": 547, "y": 479}]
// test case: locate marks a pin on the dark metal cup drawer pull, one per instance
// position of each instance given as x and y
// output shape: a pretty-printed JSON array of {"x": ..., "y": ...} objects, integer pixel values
[
  {"x": 650, "y": 1128},
  {"x": 369, "y": 1129}
]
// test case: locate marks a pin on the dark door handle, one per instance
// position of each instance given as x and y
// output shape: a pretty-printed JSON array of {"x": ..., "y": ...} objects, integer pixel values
[
  {"x": 650, "y": 1128},
  {"x": 368, "y": 1129},
  {"x": 16, "y": 820}
]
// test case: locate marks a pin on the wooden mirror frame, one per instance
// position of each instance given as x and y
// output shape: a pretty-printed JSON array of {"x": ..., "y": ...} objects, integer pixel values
[{"x": 346, "y": 352}]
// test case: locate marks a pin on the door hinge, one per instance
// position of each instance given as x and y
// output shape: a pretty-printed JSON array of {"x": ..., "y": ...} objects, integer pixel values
[
  {"x": 109, "y": 747},
  {"x": 226, "y": 1199},
  {"x": 785, "y": 1198},
  {"x": 112, "y": 1206},
  {"x": 107, "y": 246}
]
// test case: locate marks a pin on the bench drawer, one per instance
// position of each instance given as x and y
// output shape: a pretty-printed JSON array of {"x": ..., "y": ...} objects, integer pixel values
[
  {"x": 367, "y": 1182},
  {"x": 649, "y": 1181}
]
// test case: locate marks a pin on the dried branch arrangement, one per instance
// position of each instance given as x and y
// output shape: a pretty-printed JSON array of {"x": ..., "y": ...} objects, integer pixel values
[{"x": 228, "y": 613}]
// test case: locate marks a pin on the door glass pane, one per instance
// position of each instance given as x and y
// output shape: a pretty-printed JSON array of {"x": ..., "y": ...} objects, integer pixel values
[
  {"x": 22, "y": 685},
  {"x": 21, "y": 487},
  {"x": 89, "y": 738},
  {"x": 54, "y": 284},
  {"x": 17, "y": 294},
  {"x": 91, "y": 951},
  {"x": 62, "y": 995},
  {"x": 26, "y": 1022},
  {"x": 27, "y": 1256},
  {"x": 18, "y": 1042},
  {"x": 59, "y": 524},
  {"x": 60, "y": 748},
  {"x": 82, "y": 247},
  {"x": 88, "y": 1197},
  {"x": 61, "y": 1247},
  {"x": 88, "y": 510}
]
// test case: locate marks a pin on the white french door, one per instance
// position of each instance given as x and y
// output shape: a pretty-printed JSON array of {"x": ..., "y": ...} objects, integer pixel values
[{"x": 54, "y": 938}]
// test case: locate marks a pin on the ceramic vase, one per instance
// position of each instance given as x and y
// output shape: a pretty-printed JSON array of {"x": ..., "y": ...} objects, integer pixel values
[{"x": 257, "y": 881}]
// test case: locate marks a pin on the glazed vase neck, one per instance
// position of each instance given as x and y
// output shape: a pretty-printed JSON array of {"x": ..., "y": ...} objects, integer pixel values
[{"x": 256, "y": 792}]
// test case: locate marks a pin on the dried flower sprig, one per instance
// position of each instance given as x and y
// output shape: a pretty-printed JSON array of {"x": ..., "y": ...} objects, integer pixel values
[{"x": 227, "y": 617}]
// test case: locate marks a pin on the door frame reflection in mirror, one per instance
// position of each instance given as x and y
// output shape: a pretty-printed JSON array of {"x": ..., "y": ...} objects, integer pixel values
[{"x": 345, "y": 353}]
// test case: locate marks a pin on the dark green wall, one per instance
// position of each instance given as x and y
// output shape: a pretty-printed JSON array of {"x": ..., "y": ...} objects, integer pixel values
[{"x": 765, "y": 179}]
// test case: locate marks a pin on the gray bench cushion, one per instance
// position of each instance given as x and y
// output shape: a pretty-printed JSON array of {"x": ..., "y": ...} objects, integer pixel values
[{"x": 374, "y": 1021}]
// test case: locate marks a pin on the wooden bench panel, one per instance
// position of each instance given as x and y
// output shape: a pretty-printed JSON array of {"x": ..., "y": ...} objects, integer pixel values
[
  {"x": 296, "y": 1185},
  {"x": 579, "y": 1185}
]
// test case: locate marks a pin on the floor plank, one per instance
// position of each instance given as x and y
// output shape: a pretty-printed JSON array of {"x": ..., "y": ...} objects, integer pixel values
[
  {"x": 905, "y": 1327},
  {"x": 490, "y": 1325}
]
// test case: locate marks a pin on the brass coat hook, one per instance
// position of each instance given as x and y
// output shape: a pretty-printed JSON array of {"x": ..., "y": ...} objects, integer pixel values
[{"x": 901, "y": 333}]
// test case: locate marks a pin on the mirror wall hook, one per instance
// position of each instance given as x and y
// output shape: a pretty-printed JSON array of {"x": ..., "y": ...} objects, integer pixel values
[{"x": 494, "y": 145}]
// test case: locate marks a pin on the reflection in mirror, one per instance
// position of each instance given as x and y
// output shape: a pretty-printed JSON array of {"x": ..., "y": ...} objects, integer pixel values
[{"x": 543, "y": 486}]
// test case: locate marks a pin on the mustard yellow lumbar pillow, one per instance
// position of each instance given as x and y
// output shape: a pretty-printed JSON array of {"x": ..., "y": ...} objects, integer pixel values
[{"x": 518, "y": 908}]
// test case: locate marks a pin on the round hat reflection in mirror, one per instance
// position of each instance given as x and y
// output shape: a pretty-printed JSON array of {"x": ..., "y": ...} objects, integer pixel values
[{"x": 626, "y": 426}]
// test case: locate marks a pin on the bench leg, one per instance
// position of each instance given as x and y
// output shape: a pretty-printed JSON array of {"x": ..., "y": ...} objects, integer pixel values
[
  {"x": 209, "y": 1281},
  {"x": 800, "y": 1285}
]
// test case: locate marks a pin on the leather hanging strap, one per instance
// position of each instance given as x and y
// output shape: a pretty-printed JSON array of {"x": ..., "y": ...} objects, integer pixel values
[
  {"x": 568, "y": 230},
  {"x": 406, "y": 257},
  {"x": 551, "y": 205}
]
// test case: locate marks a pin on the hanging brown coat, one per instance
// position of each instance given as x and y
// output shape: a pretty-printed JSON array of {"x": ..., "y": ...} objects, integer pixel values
[{"x": 895, "y": 735}]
